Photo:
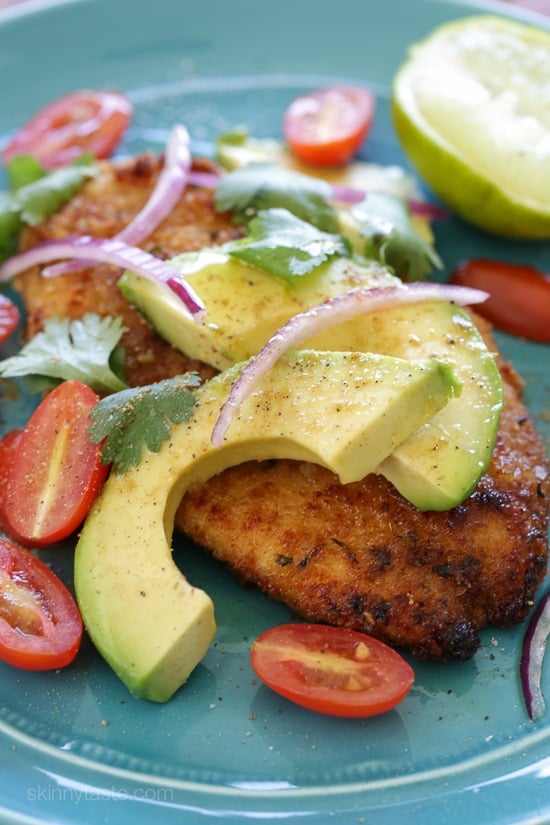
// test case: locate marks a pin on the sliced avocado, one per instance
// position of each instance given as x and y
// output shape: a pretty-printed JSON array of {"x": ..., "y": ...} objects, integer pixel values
[
  {"x": 439, "y": 465},
  {"x": 244, "y": 305},
  {"x": 346, "y": 411},
  {"x": 439, "y": 473}
]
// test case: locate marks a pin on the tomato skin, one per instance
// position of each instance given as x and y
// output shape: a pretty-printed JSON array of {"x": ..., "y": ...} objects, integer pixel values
[
  {"x": 331, "y": 670},
  {"x": 326, "y": 127},
  {"x": 9, "y": 444},
  {"x": 57, "y": 472},
  {"x": 78, "y": 123},
  {"x": 40, "y": 624},
  {"x": 519, "y": 296},
  {"x": 9, "y": 318}
]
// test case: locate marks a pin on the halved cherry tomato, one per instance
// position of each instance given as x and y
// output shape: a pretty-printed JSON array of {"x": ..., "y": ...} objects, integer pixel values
[
  {"x": 78, "y": 123},
  {"x": 40, "y": 624},
  {"x": 57, "y": 471},
  {"x": 326, "y": 127},
  {"x": 519, "y": 301},
  {"x": 331, "y": 670},
  {"x": 9, "y": 444},
  {"x": 9, "y": 318}
]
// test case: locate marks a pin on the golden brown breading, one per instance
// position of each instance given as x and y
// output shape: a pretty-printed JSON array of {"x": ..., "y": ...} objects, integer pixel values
[
  {"x": 356, "y": 555},
  {"x": 102, "y": 208},
  {"x": 359, "y": 555}
]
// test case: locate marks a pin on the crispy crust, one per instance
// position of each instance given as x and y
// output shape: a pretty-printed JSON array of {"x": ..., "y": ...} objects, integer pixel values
[
  {"x": 357, "y": 555},
  {"x": 102, "y": 208}
]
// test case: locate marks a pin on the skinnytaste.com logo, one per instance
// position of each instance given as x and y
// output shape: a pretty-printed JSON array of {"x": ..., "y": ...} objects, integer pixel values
[{"x": 74, "y": 796}]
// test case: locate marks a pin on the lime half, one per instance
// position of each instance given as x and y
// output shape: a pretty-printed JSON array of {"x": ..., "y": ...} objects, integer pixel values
[{"x": 471, "y": 107}]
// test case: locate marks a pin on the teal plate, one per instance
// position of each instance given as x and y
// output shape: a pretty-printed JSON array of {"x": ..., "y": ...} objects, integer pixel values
[{"x": 75, "y": 747}]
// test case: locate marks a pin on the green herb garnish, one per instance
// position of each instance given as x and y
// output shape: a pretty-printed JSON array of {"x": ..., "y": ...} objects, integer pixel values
[
  {"x": 35, "y": 194},
  {"x": 285, "y": 246},
  {"x": 141, "y": 417},
  {"x": 259, "y": 186},
  {"x": 84, "y": 349},
  {"x": 383, "y": 221}
]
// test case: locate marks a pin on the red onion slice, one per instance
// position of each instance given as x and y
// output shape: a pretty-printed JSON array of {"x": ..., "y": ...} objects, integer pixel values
[
  {"x": 334, "y": 311},
  {"x": 168, "y": 189},
  {"x": 109, "y": 251},
  {"x": 207, "y": 179},
  {"x": 532, "y": 657},
  {"x": 347, "y": 194},
  {"x": 428, "y": 210},
  {"x": 167, "y": 192}
]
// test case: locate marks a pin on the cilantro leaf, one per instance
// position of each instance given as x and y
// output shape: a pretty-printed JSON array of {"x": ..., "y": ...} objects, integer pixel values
[
  {"x": 46, "y": 195},
  {"x": 81, "y": 349},
  {"x": 140, "y": 417},
  {"x": 384, "y": 223},
  {"x": 257, "y": 186},
  {"x": 285, "y": 246},
  {"x": 22, "y": 170},
  {"x": 10, "y": 224},
  {"x": 35, "y": 194}
]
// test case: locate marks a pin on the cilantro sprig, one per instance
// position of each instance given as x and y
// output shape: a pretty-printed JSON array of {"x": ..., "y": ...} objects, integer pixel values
[
  {"x": 283, "y": 245},
  {"x": 34, "y": 194},
  {"x": 384, "y": 224},
  {"x": 125, "y": 419},
  {"x": 84, "y": 349},
  {"x": 278, "y": 243},
  {"x": 141, "y": 417},
  {"x": 283, "y": 209},
  {"x": 291, "y": 224},
  {"x": 259, "y": 186}
]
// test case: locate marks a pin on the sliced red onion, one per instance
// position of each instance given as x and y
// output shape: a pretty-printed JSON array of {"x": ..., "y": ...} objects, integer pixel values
[
  {"x": 108, "y": 251},
  {"x": 169, "y": 187},
  {"x": 207, "y": 179},
  {"x": 334, "y": 311},
  {"x": 427, "y": 210},
  {"x": 65, "y": 267},
  {"x": 532, "y": 657},
  {"x": 347, "y": 194},
  {"x": 167, "y": 192}
]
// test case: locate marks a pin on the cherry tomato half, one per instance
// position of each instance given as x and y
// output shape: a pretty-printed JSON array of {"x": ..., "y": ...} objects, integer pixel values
[
  {"x": 78, "y": 123},
  {"x": 40, "y": 624},
  {"x": 9, "y": 444},
  {"x": 326, "y": 127},
  {"x": 57, "y": 472},
  {"x": 519, "y": 301},
  {"x": 9, "y": 318},
  {"x": 331, "y": 670}
]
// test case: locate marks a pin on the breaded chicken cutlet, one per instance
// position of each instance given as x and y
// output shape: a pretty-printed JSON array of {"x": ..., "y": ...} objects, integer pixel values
[{"x": 358, "y": 555}]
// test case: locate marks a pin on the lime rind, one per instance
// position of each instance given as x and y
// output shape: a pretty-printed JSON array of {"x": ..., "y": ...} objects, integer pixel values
[{"x": 471, "y": 107}]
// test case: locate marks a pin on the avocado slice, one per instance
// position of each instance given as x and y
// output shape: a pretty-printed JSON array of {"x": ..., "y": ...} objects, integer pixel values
[
  {"x": 346, "y": 411},
  {"x": 439, "y": 464},
  {"x": 438, "y": 467},
  {"x": 244, "y": 304}
]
